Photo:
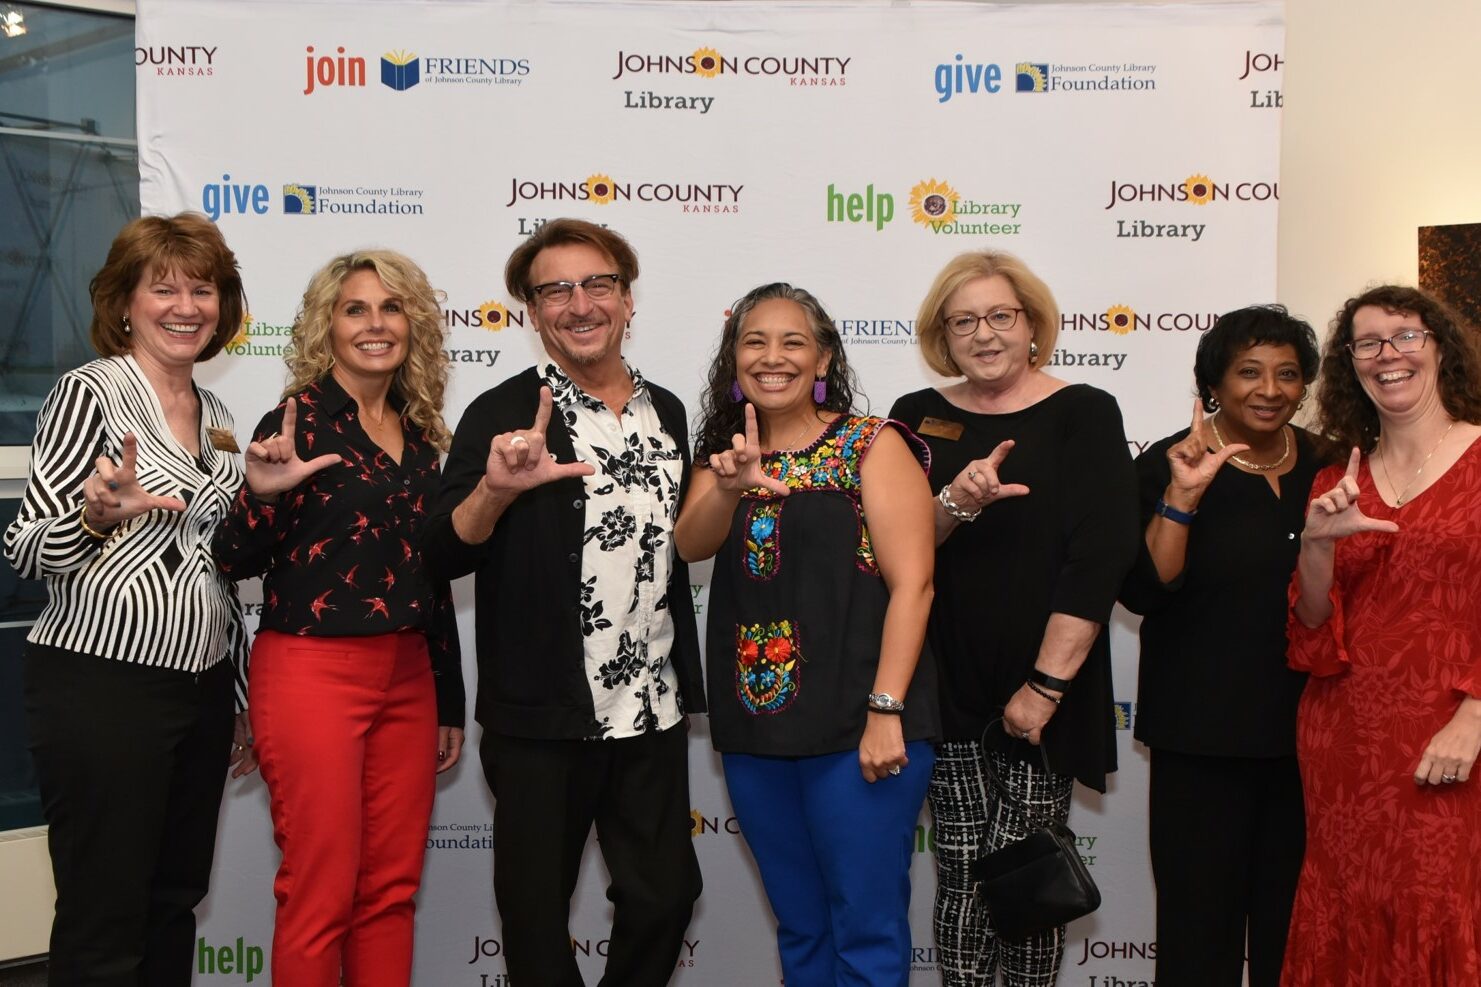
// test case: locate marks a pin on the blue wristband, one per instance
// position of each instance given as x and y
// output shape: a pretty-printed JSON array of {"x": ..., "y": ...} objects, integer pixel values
[{"x": 1172, "y": 513}]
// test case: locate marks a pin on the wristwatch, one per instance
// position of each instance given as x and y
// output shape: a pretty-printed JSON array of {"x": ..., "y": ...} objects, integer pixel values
[
  {"x": 1163, "y": 509},
  {"x": 883, "y": 702}
]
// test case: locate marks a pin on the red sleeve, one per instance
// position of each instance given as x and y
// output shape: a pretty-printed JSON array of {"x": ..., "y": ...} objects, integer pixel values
[{"x": 1320, "y": 650}]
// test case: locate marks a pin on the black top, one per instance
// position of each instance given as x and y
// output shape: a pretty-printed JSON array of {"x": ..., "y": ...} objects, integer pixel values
[
  {"x": 527, "y": 595},
  {"x": 797, "y": 609},
  {"x": 1062, "y": 548},
  {"x": 1213, "y": 674},
  {"x": 339, "y": 553}
]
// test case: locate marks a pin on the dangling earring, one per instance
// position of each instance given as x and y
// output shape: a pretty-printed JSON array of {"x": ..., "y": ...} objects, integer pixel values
[
  {"x": 819, "y": 391},
  {"x": 128, "y": 329},
  {"x": 735, "y": 392},
  {"x": 1033, "y": 352}
]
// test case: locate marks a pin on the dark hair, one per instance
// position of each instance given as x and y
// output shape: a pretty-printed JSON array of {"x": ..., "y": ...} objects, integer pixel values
[
  {"x": 1344, "y": 412},
  {"x": 558, "y": 233},
  {"x": 721, "y": 416},
  {"x": 188, "y": 244},
  {"x": 1237, "y": 331}
]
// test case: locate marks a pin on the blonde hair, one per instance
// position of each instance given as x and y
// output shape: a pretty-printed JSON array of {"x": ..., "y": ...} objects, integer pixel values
[
  {"x": 1039, "y": 306},
  {"x": 422, "y": 378}
]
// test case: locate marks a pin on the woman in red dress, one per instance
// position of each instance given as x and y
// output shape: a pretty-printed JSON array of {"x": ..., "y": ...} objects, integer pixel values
[{"x": 1386, "y": 616}]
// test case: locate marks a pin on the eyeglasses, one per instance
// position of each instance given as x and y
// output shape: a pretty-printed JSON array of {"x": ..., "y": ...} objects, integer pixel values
[
  {"x": 1408, "y": 341},
  {"x": 597, "y": 287},
  {"x": 998, "y": 320}
]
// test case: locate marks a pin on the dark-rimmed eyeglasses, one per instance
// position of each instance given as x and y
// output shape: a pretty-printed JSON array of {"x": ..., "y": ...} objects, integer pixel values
[
  {"x": 998, "y": 320},
  {"x": 1408, "y": 341},
  {"x": 596, "y": 287}
]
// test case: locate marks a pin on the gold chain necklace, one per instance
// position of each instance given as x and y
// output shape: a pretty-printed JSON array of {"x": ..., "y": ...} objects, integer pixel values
[
  {"x": 1399, "y": 500},
  {"x": 1285, "y": 431}
]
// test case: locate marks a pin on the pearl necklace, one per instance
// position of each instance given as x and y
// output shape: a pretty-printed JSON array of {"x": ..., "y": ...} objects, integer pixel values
[
  {"x": 1399, "y": 500},
  {"x": 1285, "y": 431}
]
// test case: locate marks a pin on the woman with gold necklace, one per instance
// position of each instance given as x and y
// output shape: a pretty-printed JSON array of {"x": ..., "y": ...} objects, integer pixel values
[
  {"x": 1222, "y": 504},
  {"x": 1386, "y": 616}
]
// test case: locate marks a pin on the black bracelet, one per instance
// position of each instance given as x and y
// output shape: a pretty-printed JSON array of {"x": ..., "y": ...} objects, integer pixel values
[
  {"x": 1049, "y": 681},
  {"x": 1047, "y": 695}
]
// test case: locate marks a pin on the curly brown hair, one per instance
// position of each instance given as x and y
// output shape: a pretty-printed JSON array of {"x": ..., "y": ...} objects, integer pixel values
[
  {"x": 721, "y": 417},
  {"x": 421, "y": 380},
  {"x": 1346, "y": 415}
]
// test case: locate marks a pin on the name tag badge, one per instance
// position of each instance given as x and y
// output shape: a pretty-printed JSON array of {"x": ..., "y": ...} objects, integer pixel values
[
  {"x": 940, "y": 428},
  {"x": 223, "y": 440}
]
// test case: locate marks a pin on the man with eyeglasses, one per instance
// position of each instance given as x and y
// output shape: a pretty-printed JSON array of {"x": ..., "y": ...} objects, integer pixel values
[{"x": 560, "y": 493}]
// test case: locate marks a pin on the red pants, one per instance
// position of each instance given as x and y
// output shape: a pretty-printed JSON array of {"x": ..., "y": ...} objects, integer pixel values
[{"x": 346, "y": 736}]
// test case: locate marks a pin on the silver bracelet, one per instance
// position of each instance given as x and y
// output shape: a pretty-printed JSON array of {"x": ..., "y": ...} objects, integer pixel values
[
  {"x": 954, "y": 509},
  {"x": 883, "y": 702}
]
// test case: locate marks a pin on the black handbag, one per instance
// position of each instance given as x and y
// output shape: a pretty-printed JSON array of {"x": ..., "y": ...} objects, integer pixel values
[{"x": 1037, "y": 883}]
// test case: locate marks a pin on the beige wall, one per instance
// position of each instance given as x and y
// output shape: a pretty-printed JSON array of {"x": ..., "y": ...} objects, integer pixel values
[{"x": 1381, "y": 133}]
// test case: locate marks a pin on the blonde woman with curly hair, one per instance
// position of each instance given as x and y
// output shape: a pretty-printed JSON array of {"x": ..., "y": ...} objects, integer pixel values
[{"x": 355, "y": 682}]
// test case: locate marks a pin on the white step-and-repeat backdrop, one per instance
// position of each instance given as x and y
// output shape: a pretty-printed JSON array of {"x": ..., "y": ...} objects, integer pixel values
[{"x": 1128, "y": 153}]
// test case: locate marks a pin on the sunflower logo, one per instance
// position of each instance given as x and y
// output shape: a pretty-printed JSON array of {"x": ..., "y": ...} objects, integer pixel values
[
  {"x": 933, "y": 203},
  {"x": 494, "y": 315},
  {"x": 707, "y": 63},
  {"x": 1030, "y": 77},
  {"x": 600, "y": 189},
  {"x": 1200, "y": 189},
  {"x": 240, "y": 339},
  {"x": 1120, "y": 320},
  {"x": 696, "y": 822},
  {"x": 299, "y": 198}
]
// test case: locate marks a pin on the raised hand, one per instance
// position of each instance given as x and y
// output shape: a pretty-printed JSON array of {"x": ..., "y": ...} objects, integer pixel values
[
  {"x": 113, "y": 494},
  {"x": 518, "y": 461},
  {"x": 273, "y": 465},
  {"x": 738, "y": 468},
  {"x": 1193, "y": 465},
  {"x": 1335, "y": 514},
  {"x": 977, "y": 485}
]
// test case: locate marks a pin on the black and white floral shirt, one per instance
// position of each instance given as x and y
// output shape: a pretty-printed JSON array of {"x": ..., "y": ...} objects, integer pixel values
[{"x": 632, "y": 502}]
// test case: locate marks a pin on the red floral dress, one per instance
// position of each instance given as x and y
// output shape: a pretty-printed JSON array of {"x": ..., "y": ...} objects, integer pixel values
[{"x": 1390, "y": 890}]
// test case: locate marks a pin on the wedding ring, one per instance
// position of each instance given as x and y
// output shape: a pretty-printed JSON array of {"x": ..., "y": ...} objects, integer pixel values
[
  {"x": 1447, "y": 778},
  {"x": 971, "y": 474},
  {"x": 238, "y": 747},
  {"x": 894, "y": 770},
  {"x": 519, "y": 438}
]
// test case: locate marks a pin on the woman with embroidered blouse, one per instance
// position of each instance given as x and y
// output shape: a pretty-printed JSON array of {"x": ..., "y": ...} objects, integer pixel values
[{"x": 822, "y": 699}]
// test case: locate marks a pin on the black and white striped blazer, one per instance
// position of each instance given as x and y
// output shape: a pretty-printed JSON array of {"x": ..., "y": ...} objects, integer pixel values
[{"x": 151, "y": 593}]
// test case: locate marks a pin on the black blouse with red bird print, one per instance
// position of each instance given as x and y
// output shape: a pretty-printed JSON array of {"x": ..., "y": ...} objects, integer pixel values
[{"x": 340, "y": 554}]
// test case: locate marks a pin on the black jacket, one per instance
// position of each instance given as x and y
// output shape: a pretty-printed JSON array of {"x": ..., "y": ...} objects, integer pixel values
[{"x": 531, "y": 663}]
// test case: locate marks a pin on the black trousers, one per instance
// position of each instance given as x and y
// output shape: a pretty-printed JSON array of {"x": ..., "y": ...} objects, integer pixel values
[
  {"x": 1227, "y": 835},
  {"x": 131, "y": 761},
  {"x": 548, "y": 794}
]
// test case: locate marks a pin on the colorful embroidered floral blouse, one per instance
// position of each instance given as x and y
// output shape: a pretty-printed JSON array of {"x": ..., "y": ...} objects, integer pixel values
[{"x": 797, "y": 608}]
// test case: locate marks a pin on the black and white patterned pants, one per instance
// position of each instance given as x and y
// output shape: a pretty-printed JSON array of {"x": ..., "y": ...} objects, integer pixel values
[{"x": 965, "y": 811}]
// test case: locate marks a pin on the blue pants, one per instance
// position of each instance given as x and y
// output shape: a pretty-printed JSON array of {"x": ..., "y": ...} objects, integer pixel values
[{"x": 834, "y": 855}]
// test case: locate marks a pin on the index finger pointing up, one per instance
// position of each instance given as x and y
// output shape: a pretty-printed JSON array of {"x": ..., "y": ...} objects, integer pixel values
[
  {"x": 1000, "y": 453},
  {"x": 290, "y": 419},
  {"x": 542, "y": 414},
  {"x": 1352, "y": 464},
  {"x": 130, "y": 452},
  {"x": 752, "y": 434}
]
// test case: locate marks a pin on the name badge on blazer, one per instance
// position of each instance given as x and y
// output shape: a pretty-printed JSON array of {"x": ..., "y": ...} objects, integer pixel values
[
  {"x": 223, "y": 440},
  {"x": 941, "y": 428}
]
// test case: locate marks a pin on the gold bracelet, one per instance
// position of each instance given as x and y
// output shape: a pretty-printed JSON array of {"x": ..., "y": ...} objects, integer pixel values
[{"x": 99, "y": 535}]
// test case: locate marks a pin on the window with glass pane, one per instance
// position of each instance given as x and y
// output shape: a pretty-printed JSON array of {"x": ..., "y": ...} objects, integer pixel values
[{"x": 69, "y": 178}]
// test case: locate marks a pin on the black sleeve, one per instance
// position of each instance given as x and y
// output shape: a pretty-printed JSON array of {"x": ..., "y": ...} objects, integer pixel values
[
  {"x": 248, "y": 536},
  {"x": 1101, "y": 534},
  {"x": 1144, "y": 591},
  {"x": 447, "y": 555},
  {"x": 447, "y": 657}
]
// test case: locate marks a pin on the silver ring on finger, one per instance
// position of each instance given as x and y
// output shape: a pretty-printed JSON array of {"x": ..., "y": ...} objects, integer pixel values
[
  {"x": 971, "y": 474},
  {"x": 1447, "y": 779},
  {"x": 519, "y": 438},
  {"x": 894, "y": 769}
]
